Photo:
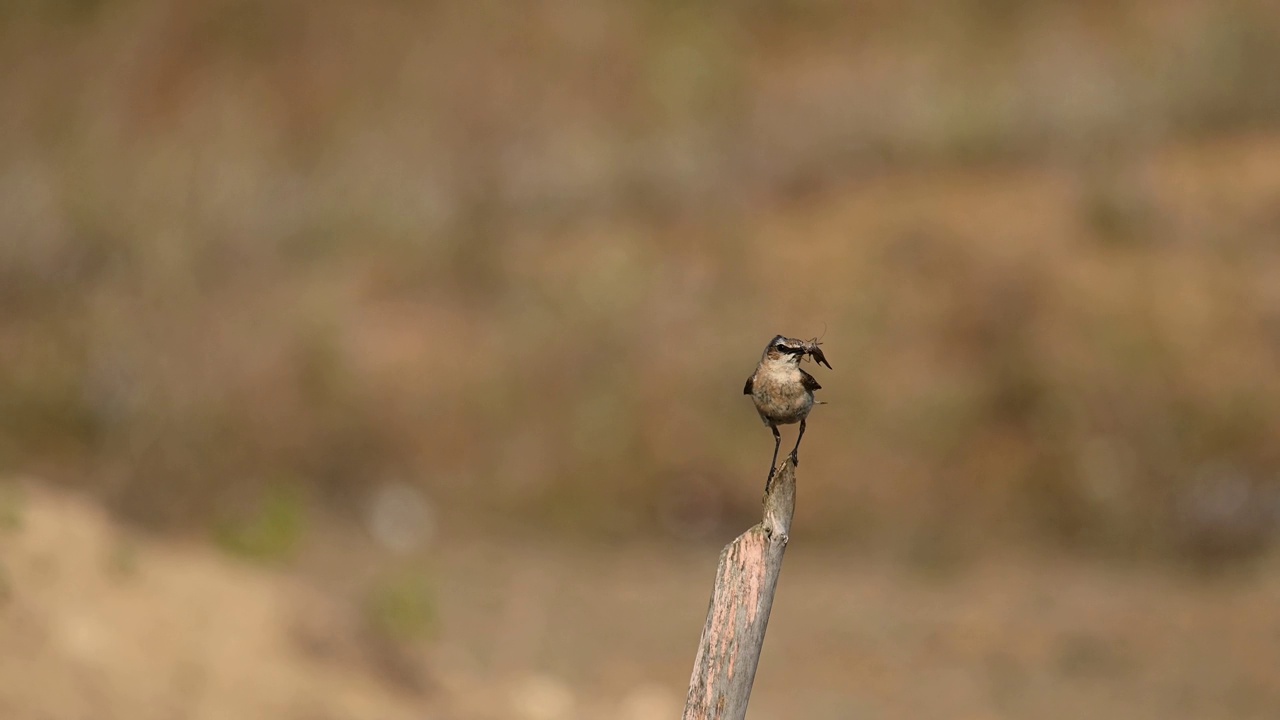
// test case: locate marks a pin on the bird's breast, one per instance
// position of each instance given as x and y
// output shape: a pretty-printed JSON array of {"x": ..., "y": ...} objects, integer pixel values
[{"x": 779, "y": 395}]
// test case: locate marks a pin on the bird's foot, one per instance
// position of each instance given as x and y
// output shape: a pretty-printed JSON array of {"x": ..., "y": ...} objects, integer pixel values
[{"x": 794, "y": 457}]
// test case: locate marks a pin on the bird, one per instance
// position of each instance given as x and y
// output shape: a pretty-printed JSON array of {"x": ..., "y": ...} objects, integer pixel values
[{"x": 782, "y": 392}]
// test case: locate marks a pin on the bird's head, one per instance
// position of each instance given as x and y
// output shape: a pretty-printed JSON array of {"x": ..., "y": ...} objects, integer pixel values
[
  {"x": 785, "y": 349},
  {"x": 793, "y": 350}
]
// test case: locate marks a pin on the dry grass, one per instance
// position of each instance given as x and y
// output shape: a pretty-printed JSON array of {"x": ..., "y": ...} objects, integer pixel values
[{"x": 518, "y": 256}]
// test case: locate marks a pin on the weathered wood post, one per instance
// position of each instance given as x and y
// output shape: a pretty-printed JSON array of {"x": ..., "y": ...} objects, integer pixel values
[{"x": 746, "y": 578}]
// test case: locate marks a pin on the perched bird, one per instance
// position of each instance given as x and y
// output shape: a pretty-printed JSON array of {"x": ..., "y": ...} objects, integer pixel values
[{"x": 782, "y": 392}]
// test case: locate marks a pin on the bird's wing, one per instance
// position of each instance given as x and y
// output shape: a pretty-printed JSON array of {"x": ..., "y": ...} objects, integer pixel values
[
  {"x": 746, "y": 389},
  {"x": 808, "y": 382}
]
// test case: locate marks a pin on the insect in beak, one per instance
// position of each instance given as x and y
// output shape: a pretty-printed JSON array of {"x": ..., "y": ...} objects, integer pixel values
[{"x": 819, "y": 358}]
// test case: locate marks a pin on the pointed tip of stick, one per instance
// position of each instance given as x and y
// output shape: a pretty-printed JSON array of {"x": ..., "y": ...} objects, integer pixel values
[{"x": 780, "y": 500}]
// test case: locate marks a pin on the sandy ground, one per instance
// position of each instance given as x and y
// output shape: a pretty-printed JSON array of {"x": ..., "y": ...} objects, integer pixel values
[{"x": 98, "y": 622}]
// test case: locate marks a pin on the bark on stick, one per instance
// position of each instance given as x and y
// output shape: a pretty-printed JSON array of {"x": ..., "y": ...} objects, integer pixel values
[{"x": 746, "y": 578}]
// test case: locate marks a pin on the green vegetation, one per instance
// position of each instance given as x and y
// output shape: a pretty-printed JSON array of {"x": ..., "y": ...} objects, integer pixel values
[
  {"x": 403, "y": 607},
  {"x": 271, "y": 532},
  {"x": 12, "y": 502}
]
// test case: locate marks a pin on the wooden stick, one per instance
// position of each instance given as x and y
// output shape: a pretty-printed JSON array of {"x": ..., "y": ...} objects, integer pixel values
[{"x": 746, "y": 578}]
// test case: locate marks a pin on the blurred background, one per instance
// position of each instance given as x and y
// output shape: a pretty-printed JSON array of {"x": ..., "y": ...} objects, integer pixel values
[{"x": 384, "y": 360}]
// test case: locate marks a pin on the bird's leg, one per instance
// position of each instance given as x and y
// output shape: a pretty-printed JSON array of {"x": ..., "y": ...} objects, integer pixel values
[
  {"x": 795, "y": 452},
  {"x": 777, "y": 443}
]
